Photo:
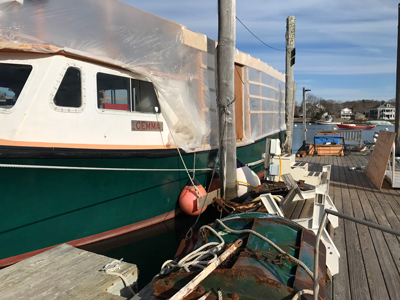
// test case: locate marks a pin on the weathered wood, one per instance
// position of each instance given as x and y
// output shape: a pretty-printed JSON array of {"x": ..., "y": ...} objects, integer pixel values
[
  {"x": 287, "y": 205},
  {"x": 374, "y": 273},
  {"x": 340, "y": 283},
  {"x": 208, "y": 198},
  {"x": 357, "y": 273},
  {"x": 308, "y": 209},
  {"x": 397, "y": 113},
  {"x": 372, "y": 202},
  {"x": 289, "y": 103},
  {"x": 370, "y": 260},
  {"x": 378, "y": 161},
  {"x": 349, "y": 135},
  {"x": 64, "y": 272},
  {"x": 297, "y": 209},
  {"x": 191, "y": 285},
  {"x": 225, "y": 96},
  {"x": 239, "y": 115}
]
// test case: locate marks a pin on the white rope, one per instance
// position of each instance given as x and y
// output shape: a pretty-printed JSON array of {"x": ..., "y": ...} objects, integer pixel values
[
  {"x": 111, "y": 270},
  {"x": 194, "y": 165},
  {"x": 184, "y": 165},
  {"x": 220, "y": 294},
  {"x": 302, "y": 292},
  {"x": 198, "y": 258},
  {"x": 299, "y": 262},
  {"x": 255, "y": 162},
  {"x": 97, "y": 169}
]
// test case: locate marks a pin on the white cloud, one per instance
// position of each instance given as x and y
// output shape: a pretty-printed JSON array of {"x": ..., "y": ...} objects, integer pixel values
[{"x": 338, "y": 37}]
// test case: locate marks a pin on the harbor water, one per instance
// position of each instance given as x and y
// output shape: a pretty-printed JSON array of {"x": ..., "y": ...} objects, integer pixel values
[{"x": 312, "y": 129}]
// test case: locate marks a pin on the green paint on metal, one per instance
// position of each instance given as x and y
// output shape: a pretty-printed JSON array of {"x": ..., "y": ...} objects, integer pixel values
[{"x": 45, "y": 207}]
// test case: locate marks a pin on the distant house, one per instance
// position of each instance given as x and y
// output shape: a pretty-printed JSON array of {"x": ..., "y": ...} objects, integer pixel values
[
  {"x": 346, "y": 113},
  {"x": 357, "y": 116},
  {"x": 383, "y": 111}
]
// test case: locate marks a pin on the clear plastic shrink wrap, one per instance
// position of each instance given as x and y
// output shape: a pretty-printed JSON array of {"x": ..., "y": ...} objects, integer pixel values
[{"x": 114, "y": 32}]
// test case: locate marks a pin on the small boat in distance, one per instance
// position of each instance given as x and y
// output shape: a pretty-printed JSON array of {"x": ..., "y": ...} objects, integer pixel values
[
  {"x": 356, "y": 126},
  {"x": 328, "y": 121},
  {"x": 379, "y": 122}
]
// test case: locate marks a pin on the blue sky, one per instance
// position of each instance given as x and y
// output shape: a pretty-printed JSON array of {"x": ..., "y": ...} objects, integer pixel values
[{"x": 345, "y": 49}]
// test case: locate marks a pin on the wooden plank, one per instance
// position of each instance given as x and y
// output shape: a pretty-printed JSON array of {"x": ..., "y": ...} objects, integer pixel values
[
  {"x": 289, "y": 210},
  {"x": 64, "y": 272},
  {"x": 357, "y": 274},
  {"x": 387, "y": 247},
  {"x": 374, "y": 273},
  {"x": 379, "y": 252},
  {"x": 239, "y": 116},
  {"x": 291, "y": 184},
  {"x": 308, "y": 209},
  {"x": 340, "y": 283},
  {"x": 208, "y": 198},
  {"x": 378, "y": 161},
  {"x": 297, "y": 210},
  {"x": 287, "y": 203}
]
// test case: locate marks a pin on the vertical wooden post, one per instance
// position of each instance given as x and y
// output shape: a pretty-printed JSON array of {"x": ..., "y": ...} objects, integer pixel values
[
  {"x": 304, "y": 118},
  {"x": 290, "y": 33},
  {"x": 293, "y": 109},
  {"x": 226, "y": 96},
  {"x": 267, "y": 157},
  {"x": 397, "y": 117}
]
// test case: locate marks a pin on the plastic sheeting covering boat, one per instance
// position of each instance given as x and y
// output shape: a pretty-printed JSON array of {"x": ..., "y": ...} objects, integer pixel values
[{"x": 96, "y": 99}]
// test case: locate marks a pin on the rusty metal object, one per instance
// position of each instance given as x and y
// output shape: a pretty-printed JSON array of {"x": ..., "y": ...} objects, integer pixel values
[
  {"x": 257, "y": 271},
  {"x": 230, "y": 206},
  {"x": 234, "y": 296},
  {"x": 237, "y": 279},
  {"x": 188, "y": 288}
]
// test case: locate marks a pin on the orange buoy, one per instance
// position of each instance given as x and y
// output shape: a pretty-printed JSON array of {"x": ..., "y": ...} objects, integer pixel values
[{"x": 188, "y": 198}]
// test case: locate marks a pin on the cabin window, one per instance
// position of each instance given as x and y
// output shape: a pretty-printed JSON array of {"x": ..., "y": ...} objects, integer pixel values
[
  {"x": 12, "y": 80},
  {"x": 69, "y": 93},
  {"x": 121, "y": 93},
  {"x": 113, "y": 92},
  {"x": 144, "y": 97}
]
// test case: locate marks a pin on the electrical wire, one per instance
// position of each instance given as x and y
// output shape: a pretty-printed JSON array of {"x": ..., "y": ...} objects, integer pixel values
[
  {"x": 239, "y": 74},
  {"x": 257, "y": 36}
]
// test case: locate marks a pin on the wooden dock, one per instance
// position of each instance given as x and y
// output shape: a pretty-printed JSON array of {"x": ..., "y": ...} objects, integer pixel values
[
  {"x": 66, "y": 272},
  {"x": 370, "y": 259}
]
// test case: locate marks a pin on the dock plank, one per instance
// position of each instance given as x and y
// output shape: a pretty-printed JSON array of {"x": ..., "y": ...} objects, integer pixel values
[
  {"x": 340, "y": 283},
  {"x": 387, "y": 246},
  {"x": 370, "y": 259},
  {"x": 64, "y": 272},
  {"x": 356, "y": 267}
]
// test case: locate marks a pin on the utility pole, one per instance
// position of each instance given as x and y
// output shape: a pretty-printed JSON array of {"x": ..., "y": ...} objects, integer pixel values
[
  {"x": 226, "y": 96},
  {"x": 304, "y": 117},
  {"x": 397, "y": 117},
  {"x": 290, "y": 60}
]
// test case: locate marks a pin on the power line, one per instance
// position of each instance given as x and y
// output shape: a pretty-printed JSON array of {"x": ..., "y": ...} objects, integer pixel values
[
  {"x": 239, "y": 75},
  {"x": 257, "y": 36}
]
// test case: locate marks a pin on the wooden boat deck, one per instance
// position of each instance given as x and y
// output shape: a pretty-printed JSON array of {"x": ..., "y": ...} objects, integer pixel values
[{"x": 370, "y": 259}]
